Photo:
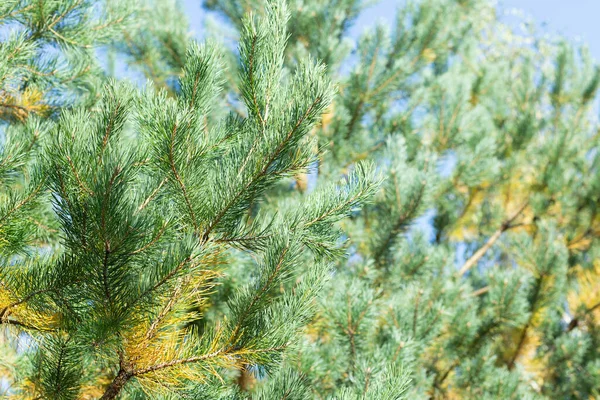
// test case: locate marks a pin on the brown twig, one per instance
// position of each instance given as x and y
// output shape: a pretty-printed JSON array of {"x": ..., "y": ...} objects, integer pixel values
[{"x": 506, "y": 225}]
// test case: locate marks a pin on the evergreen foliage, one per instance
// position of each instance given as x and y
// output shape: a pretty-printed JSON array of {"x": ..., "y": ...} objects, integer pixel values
[
  {"x": 414, "y": 215},
  {"x": 473, "y": 267},
  {"x": 47, "y": 52},
  {"x": 147, "y": 198}
]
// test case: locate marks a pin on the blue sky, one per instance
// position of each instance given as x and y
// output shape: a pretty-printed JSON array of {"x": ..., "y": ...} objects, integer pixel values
[{"x": 576, "y": 19}]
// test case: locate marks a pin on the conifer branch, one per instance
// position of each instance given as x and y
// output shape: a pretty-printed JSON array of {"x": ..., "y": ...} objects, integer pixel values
[
  {"x": 69, "y": 41},
  {"x": 255, "y": 178},
  {"x": 30, "y": 197},
  {"x": 109, "y": 127},
  {"x": 61, "y": 16},
  {"x": 179, "y": 180},
  {"x": 400, "y": 224},
  {"x": 364, "y": 97},
  {"x": 251, "y": 79},
  {"x": 506, "y": 225},
  {"x": 152, "y": 195},
  {"x": 155, "y": 239},
  {"x": 163, "y": 313},
  {"x": 107, "y": 245},
  {"x": 77, "y": 177},
  {"x": 481, "y": 291},
  {"x": 523, "y": 336},
  {"x": 23, "y": 325},
  {"x": 574, "y": 323},
  {"x": 167, "y": 277},
  {"x": 25, "y": 299},
  {"x": 117, "y": 384},
  {"x": 241, "y": 320},
  {"x": 222, "y": 352},
  {"x": 16, "y": 12}
]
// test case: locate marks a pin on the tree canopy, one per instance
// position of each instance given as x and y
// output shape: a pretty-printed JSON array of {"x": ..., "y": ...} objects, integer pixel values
[{"x": 284, "y": 211}]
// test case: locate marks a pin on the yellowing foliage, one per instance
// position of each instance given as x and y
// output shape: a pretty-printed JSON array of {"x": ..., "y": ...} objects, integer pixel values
[
  {"x": 586, "y": 296},
  {"x": 18, "y": 106}
]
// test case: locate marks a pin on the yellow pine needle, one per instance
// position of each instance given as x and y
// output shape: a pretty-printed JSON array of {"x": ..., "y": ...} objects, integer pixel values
[
  {"x": 18, "y": 106},
  {"x": 587, "y": 294}
]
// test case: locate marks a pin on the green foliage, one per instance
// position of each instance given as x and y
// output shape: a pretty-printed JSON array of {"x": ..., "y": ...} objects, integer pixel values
[
  {"x": 414, "y": 215},
  {"x": 48, "y": 58},
  {"x": 148, "y": 197},
  {"x": 475, "y": 261}
]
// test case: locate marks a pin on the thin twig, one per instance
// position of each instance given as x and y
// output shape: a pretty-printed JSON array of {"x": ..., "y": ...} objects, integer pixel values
[{"x": 506, "y": 225}]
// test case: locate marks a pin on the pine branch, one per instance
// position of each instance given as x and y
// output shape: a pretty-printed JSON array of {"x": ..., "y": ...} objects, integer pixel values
[
  {"x": 241, "y": 320},
  {"x": 163, "y": 313},
  {"x": 179, "y": 180},
  {"x": 61, "y": 16},
  {"x": 506, "y": 225},
  {"x": 574, "y": 323},
  {"x": 222, "y": 352},
  {"x": 251, "y": 80},
  {"x": 399, "y": 225},
  {"x": 364, "y": 97},
  {"x": 29, "y": 198},
  {"x": 109, "y": 127},
  {"x": 523, "y": 336},
  {"x": 25, "y": 299},
  {"x": 25, "y": 326},
  {"x": 117, "y": 384},
  {"x": 152, "y": 195},
  {"x": 107, "y": 246},
  {"x": 261, "y": 174}
]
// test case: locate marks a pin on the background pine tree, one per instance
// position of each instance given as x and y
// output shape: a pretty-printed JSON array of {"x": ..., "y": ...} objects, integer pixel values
[
  {"x": 473, "y": 268},
  {"x": 174, "y": 240}
]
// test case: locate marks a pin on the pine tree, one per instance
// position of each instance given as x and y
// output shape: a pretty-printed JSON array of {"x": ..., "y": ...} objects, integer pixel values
[
  {"x": 48, "y": 58},
  {"x": 177, "y": 239},
  {"x": 474, "y": 271},
  {"x": 147, "y": 200}
]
